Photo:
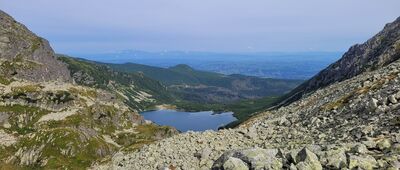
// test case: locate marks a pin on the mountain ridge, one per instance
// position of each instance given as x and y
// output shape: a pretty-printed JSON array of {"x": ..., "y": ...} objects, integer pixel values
[{"x": 378, "y": 51}]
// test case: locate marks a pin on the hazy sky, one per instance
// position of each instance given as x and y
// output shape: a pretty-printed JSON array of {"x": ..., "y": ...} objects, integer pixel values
[{"x": 96, "y": 26}]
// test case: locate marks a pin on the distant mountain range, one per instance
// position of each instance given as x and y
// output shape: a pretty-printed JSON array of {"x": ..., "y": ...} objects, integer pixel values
[{"x": 280, "y": 65}]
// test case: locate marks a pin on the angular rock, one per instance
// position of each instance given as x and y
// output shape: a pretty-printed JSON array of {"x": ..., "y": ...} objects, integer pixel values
[
  {"x": 234, "y": 164},
  {"x": 336, "y": 158},
  {"x": 256, "y": 158},
  {"x": 307, "y": 160},
  {"x": 360, "y": 148},
  {"x": 366, "y": 162},
  {"x": 384, "y": 144},
  {"x": 392, "y": 99}
]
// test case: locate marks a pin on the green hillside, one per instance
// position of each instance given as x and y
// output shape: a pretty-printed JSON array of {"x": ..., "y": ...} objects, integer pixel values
[
  {"x": 209, "y": 87},
  {"x": 128, "y": 85}
]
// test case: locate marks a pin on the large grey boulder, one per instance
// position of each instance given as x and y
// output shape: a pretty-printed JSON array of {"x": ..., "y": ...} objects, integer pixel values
[
  {"x": 335, "y": 158},
  {"x": 234, "y": 164},
  {"x": 255, "y": 158},
  {"x": 365, "y": 162},
  {"x": 307, "y": 160}
]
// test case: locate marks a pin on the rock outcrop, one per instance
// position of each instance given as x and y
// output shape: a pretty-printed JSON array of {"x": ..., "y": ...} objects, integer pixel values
[{"x": 26, "y": 56}]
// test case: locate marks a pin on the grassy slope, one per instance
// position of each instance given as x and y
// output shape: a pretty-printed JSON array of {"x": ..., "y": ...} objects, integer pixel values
[
  {"x": 218, "y": 88},
  {"x": 127, "y": 83},
  {"x": 183, "y": 74}
]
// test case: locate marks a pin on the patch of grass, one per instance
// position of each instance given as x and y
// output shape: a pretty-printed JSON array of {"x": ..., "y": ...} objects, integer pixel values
[
  {"x": 60, "y": 96},
  {"x": 70, "y": 121},
  {"x": 147, "y": 133},
  {"x": 84, "y": 92},
  {"x": 338, "y": 103},
  {"x": 65, "y": 150},
  {"x": 5, "y": 81},
  {"x": 36, "y": 43},
  {"x": 101, "y": 76},
  {"x": 7, "y": 67},
  {"x": 31, "y": 115},
  {"x": 26, "y": 89}
]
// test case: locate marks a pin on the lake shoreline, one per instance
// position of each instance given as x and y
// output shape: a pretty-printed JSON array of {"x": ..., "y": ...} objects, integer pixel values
[{"x": 189, "y": 121}]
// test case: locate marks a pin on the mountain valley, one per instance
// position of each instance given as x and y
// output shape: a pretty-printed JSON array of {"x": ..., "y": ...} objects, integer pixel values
[
  {"x": 61, "y": 112},
  {"x": 347, "y": 121}
]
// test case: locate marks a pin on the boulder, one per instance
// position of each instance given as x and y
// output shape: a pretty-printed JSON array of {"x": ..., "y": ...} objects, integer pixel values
[
  {"x": 255, "y": 158},
  {"x": 335, "y": 158},
  {"x": 360, "y": 148},
  {"x": 234, "y": 164},
  {"x": 392, "y": 99},
  {"x": 365, "y": 162},
  {"x": 307, "y": 160},
  {"x": 384, "y": 144}
]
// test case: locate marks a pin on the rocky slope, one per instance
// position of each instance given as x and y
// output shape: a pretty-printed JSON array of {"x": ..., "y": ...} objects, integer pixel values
[
  {"x": 350, "y": 122},
  {"x": 27, "y": 56},
  {"x": 379, "y": 51},
  {"x": 47, "y": 121}
]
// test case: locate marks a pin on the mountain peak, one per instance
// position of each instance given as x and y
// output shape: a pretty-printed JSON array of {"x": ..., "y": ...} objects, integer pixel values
[{"x": 183, "y": 67}]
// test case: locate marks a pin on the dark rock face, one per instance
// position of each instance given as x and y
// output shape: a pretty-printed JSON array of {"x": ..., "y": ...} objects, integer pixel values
[
  {"x": 26, "y": 56},
  {"x": 379, "y": 51}
]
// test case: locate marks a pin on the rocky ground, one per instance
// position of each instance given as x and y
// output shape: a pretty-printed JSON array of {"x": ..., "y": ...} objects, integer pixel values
[
  {"x": 62, "y": 125},
  {"x": 351, "y": 124}
]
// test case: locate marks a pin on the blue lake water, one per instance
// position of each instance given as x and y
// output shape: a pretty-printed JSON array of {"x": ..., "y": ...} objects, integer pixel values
[{"x": 185, "y": 121}]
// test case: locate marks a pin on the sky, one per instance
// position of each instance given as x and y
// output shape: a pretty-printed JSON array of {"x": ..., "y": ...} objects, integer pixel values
[{"x": 100, "y": 26}]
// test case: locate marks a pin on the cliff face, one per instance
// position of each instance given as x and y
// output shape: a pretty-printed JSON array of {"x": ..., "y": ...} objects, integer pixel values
[
  {"x": 26, "y": 56},
  {"x": 379, "y": 51}
]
